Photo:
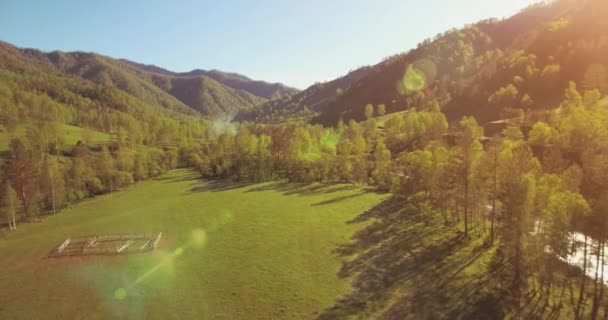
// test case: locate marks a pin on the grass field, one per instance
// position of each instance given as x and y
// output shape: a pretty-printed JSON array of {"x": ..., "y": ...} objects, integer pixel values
[
  {"x": 71, "y": 135},
  {"x": 264, "y": 251}
]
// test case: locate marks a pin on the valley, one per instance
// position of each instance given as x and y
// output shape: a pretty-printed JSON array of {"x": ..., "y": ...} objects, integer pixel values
[{"x": 463, "y": 178}]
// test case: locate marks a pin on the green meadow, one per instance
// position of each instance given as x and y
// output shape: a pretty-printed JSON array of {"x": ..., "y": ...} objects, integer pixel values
[
  {"x": 229, "y": 251},
  {"x": 70, "y": 135}
]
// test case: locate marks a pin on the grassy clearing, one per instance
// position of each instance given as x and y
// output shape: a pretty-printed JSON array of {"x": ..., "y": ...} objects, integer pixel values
[
  {"x": 71, "y": 135},
  {"x": 261, "y": 251}
]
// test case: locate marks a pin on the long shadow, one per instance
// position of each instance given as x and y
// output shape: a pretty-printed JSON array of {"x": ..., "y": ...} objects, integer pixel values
[
  {"x": 217, "y": 186},
  {"x": 306, "y": 189},
  {"x": 193, "y": 176},
  {"x": 407, "y": 264},
  {"x": 338, "y": 199}
]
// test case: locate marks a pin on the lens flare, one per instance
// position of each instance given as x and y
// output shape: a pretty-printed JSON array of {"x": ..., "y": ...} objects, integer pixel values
[
  {"x": 120, "y": 294},
  {"x": 330, "y": 140},
  {"x": 225, "y": 218},
  {"x": 199, "y": 238},
  {"x": 413, "y": 80}
]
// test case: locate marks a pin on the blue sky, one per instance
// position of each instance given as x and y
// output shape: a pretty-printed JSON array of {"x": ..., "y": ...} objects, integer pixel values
[{"x": 296, "y": 43}]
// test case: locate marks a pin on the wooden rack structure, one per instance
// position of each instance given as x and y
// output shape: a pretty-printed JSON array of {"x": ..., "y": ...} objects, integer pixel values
[{"x": 107, "y": 245}]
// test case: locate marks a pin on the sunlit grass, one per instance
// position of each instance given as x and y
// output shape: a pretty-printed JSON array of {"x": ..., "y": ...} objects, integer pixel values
[
  {"x": 229, "y": 251},
  {"x": 70, "y": 135}
]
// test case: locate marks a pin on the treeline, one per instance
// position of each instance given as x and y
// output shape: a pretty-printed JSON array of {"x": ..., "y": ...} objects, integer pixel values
[
  {"x": 525, "y": 191},
  {"x": 39, "y": 173},
  {"x": 35, "y": 181}
]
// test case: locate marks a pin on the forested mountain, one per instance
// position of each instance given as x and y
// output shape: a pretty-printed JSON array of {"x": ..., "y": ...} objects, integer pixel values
[
  {"x": 258, "y": 88},
  {"x": 483, "y": 69},
  {"x": 212, "y": 94},
  {"x": 236, "y": 81},
  {"x": 304, "y": 104}
]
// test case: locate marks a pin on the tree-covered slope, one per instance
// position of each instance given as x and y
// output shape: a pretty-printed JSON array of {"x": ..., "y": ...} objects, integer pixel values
[
  {"x": 484, "y": 69},
  {"x": 236, "y": 81},
  {"x": 192, "y": 94},
  {"x": 211, "y": 97},
  {"x": 305, "y": 104},
  {"x": 258, "y": 88}
]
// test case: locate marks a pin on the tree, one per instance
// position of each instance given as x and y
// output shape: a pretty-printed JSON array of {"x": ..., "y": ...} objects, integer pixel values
[
  {"x": 596, "y": 77},
  {"x": 541, "y": 134},
  {"x": 9, "y": 205},
  {"x": 561, "y": 208},
  {"x": 52, "y": 184},
  {"x": 579, "y": 210},
  {"x": 490, "y": 167},
  {"x": 381, "y": 110},
  {"x": 469, "y": 153},
  {"x": 106, "y": 170},
  {"x": 382, "y": 166},
  {"x": 518, "y": 190},
  {"x": 572, "y": 98},
  {"x": 22, "y": 170},
  {"x": 10, "y": 113},
  {"x": 594, "y": 188},
  {"x": 505, "y": 97},
  {"x": 369, "y": 111}
]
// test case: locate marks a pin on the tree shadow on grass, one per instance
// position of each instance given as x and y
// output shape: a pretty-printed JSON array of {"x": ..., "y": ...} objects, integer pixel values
[
  {"x": 217, "y": 186},
  {"x": 339, "y": 199},
  {"x": 308, "y": 189},
  {"x": 409, "y": 265},
  {"x": 191, "y": 176}
]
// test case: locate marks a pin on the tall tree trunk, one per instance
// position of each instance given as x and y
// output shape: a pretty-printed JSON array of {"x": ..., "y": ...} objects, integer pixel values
[
  {"x": 597, "y": 282},
  {"x": 583, "y": 281},
  {"x": 494, "y": 192},
  {"x": 52, "y": 185},
  {"x": 10, "y": 221},
  {"x": 466, "y": 207},
  {"x": 11, "y": 204},
  {"x": 24, "y": 195},
  {"x": 602, "y": 279},
  {"x": 518, "y": 266},
  {"x": 492, "y": 217}
]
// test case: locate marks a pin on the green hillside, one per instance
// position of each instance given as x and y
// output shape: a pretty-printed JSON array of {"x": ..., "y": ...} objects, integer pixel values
[
  {"x": 210, "y": 97},
  {"x": 194, "y": 94},
  {"x": 70, "y": 135},
  {"x": 236, "y": 81},
  {"x": 537, "y": 52}
]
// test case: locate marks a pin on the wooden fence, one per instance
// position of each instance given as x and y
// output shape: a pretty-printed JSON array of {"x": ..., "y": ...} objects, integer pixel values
[{"x": 119, "y": 244}]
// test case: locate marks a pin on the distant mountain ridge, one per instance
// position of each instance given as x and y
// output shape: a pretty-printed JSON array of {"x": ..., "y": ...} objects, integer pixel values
[
  {"x": 236, "y": 81},
  {"x": 212, "y": 94}
]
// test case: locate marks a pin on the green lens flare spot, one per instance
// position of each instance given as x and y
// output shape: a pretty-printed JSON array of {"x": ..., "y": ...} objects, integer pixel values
[
  {"x": 413, "y": 80},
  {"x": 120, "y": 294},
  {"x": 199, "y": 238},
  {"x": 178, "y": 252}
]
